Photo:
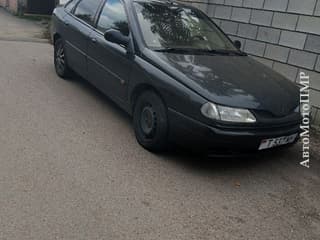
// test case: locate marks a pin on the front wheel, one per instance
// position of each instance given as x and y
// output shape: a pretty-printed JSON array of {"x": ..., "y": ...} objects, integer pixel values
[
  {"x": 150, "y": 122},
  {"x": 60, "y": 61}
]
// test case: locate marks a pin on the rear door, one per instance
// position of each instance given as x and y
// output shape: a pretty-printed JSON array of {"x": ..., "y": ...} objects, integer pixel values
[
  {"x": 78, "y": 28},
  {"x": 109, "y": 65}
]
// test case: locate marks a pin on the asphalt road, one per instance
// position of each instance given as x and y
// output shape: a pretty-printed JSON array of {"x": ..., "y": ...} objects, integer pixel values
[
  {"x": 13, "y": 28},
  {"x": 70, "y": 168}
]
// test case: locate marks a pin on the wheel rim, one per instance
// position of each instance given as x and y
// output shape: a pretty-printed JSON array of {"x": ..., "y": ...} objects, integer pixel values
[
  {"x": 60, "y": 59},
  {"x": 148, "y": 121}
]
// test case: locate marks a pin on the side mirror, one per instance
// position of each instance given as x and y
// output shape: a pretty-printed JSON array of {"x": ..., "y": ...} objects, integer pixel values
[
  {"x": 237, "y": 44},
  {"x": 115, "y": 36}
]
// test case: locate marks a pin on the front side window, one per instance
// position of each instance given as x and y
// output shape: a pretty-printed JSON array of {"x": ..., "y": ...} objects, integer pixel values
[
  {"x": 86, "y": 10},
  {"x": 174, "y": 26},
  {"x": 114, "y": 16}
]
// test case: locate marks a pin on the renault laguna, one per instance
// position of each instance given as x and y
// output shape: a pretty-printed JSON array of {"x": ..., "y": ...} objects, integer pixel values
[{"x": 178, "y": 75}]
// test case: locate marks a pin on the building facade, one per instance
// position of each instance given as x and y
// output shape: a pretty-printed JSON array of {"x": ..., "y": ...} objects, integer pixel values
[
  {"x": 11, "y": 5},
  {"x": 282, "y": 34},
  {"x": 29, "y": 6}
]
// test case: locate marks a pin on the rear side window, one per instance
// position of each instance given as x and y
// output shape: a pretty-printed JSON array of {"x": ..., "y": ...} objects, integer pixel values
[
  {"x": 114, "y": 16},
  {"x": 70, "y": 5},
  {"x": 86, "y": 10}
]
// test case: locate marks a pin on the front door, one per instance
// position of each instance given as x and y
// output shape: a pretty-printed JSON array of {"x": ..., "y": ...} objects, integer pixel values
[{"x": 109, "y": 65}]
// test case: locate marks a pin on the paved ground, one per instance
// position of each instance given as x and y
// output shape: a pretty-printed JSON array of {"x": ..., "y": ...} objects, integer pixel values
[
  {"x": 70, "y": 168},
  {"x": 18, "y": 29}
]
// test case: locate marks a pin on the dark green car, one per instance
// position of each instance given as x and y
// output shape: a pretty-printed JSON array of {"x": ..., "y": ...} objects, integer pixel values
[{"x": 179, "y": 76}]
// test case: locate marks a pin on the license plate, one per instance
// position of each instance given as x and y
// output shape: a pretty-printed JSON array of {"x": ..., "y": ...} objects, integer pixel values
[{"x": 275, "y": 142}]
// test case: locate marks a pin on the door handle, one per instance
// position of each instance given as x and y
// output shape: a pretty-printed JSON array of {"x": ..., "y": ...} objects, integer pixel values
[
  {"x": 94, "y": 40},
  {"x": 66, "y": 23}
]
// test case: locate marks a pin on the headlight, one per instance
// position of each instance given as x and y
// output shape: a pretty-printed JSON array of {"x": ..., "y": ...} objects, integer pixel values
[
  {"x": 210, "y": 110},
  {"x": 227, "y": 114}
]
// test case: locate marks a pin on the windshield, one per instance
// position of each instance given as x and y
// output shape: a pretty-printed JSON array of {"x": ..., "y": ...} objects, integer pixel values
[{"x": 171, "y": 26}]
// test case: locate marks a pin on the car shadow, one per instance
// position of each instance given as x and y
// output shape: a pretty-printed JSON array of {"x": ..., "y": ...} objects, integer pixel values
[
  {"x": 183, "y": 156},
  {"x": 208, "y": 163}
]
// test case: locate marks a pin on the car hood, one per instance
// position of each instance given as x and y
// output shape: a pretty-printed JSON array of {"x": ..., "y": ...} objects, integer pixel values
[{"x": 236, "y": 81}]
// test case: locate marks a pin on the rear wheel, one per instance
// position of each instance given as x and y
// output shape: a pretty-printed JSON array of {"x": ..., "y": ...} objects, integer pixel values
[
  {"x": 150, "y": 122},
  {"x": 60, "y": 61}
]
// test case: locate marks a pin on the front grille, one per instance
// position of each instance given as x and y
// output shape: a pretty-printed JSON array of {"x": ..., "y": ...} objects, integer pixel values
[{"x": 270, "y": 126}]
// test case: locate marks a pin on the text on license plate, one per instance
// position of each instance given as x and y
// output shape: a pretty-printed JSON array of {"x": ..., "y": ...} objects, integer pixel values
[{"x": 274, "y": 142}]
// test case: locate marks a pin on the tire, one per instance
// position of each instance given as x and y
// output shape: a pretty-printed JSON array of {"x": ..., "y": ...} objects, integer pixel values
[
  {"x": 150, "y": 122},
  {"x": 60, "y": 61}
]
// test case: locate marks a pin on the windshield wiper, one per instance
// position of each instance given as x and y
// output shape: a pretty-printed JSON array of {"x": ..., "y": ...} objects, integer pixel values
[
  {"x": 177, "y": 50},
  {"x": 203, "y": 51},
  {"x": 227, "y": 52}
]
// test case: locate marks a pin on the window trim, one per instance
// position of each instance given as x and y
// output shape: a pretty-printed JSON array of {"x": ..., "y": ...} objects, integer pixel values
[
  {"x": 69, "y": 2},
  {"x": 99, "y": 13}
]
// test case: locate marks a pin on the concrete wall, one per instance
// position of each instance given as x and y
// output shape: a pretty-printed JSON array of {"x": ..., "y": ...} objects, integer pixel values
[
  {"x": 283, "y": 34},
  {"x": 21, "y": 6},
  {"x": 11, "y": 5}
]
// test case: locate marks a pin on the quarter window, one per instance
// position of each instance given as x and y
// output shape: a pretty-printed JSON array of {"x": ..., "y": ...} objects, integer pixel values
[
  {"x": 114, "y": 16},
  {"x": 86, "y": 10}
]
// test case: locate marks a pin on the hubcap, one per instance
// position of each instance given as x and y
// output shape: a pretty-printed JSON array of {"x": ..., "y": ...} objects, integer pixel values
[
  {"x": 148, "y": 120},
  {"x": 60, "y": 59}
]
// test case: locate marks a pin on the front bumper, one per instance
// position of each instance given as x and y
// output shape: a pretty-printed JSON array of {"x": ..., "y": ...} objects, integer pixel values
[{"x": 193, "y": 134}]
